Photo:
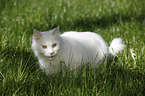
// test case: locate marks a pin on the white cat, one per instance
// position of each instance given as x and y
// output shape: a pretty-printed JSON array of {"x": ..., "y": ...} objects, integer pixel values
[{"x": 73, "y": 48}]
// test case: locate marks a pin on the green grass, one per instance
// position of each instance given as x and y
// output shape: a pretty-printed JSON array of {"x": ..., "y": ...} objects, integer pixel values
[{"x": 19, "y": 70}]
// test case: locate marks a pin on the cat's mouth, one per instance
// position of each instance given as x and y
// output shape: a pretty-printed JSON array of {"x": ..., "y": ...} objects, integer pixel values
[{"x": 51, "y": 56}]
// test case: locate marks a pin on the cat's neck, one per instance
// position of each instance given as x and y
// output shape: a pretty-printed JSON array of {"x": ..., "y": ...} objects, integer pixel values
[{"x": 65, "y": 42}]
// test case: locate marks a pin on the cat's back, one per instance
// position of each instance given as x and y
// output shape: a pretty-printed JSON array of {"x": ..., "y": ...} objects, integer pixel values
[{"x": 80, "y": 35}]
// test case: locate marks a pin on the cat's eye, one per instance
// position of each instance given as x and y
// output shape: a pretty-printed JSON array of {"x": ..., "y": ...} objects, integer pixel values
[
  {"x": 44, "y": 46},
  {"x": 54, "y": 45}
]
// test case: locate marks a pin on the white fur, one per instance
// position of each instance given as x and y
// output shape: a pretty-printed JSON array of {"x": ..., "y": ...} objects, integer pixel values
[
  {"x": 74, "y": 48},
  {"x": 116, "y": 46}
]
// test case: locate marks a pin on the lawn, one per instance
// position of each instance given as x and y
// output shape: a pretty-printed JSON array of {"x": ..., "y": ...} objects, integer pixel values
[{"x": 20, "y": 74}]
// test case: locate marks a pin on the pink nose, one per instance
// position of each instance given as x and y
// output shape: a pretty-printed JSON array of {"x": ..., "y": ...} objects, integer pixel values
[{"x": 52, "y": 53}]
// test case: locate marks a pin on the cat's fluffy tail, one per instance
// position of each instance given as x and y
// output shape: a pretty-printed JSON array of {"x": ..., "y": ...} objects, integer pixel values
[{"x": 116, "y": 46}]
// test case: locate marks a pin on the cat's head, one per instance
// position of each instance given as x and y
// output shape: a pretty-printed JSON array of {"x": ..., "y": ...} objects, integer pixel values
[{"x": 46, "y": 43}]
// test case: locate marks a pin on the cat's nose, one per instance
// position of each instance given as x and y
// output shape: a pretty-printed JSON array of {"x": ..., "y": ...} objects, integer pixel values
[{"x": 52, "y": 53}]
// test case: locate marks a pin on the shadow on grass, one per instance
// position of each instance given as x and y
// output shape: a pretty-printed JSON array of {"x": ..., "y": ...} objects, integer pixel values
[
  {"x": 6, "y": 3},
  {"x": 18, "y": 57},
  {"x": 129, "y": 82},
  {"x": 89, "y": 24}
]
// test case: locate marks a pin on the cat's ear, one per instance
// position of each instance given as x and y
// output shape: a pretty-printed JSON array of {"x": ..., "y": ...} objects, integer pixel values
[
  {"x": 37, "y": 35},
  {"x": 56, "y": 31}
]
